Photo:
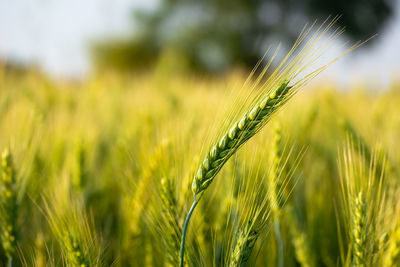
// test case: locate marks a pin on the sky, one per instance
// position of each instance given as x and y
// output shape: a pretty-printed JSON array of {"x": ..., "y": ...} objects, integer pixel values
[{"x": 56, "y": 35}]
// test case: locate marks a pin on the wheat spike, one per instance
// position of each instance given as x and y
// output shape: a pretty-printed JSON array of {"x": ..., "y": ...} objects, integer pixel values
[
  {"x": 242, "y": 130},
  {"x": 244, "y": 245},
  {"x": 9, "y": 206},
  {"x": 75, "y": 255},
  {"x": 173, "y": 233},
  {"x": 359, "y": 230},
  {"x": 274, "y": 181}
]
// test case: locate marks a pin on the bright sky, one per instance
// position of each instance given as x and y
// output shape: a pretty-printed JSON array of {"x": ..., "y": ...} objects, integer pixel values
[{"x": 56, "y": 35}]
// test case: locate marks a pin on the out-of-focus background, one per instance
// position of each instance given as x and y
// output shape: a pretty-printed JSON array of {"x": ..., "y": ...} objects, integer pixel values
[{"x": 73, "y": 38}]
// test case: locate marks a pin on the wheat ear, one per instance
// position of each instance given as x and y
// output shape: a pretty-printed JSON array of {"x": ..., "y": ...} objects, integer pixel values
[
  {"x": 74, "y": 231},
  {"x": 275, "y": 183},
  {"x": 274, "y": 188},
  {"x": 169, "y": 210},
  {"x": 245, "y": 242},
  {"x": 359, "y": 230},
  {"x": 242, "y": 130},
  {"x": 75, "y": 255},
  {"x": 9, "y": 206}
]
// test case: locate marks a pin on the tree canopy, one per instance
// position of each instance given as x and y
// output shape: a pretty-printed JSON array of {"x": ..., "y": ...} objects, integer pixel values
[{"x": 212, "y": 35}]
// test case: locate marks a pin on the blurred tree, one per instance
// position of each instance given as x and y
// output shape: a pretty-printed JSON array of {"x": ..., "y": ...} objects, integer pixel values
[{"x": 212, "y": 35}]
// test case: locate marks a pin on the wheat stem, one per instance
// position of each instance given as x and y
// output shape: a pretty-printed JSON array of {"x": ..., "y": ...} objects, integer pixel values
[{"x": 184, "y": 230}]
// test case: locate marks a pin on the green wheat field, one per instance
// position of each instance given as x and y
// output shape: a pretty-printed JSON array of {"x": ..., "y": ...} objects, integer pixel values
[{"x": 167, "y": 168}]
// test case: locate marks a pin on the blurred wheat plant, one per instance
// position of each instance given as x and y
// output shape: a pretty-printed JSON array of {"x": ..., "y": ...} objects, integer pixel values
[
  {"x": 171, "y": 219},
  {"x": 250, "y": 219},
  {"x": 275, "y": 186},
  {"x": 9, "y": 206},
  {"x": 244, "y": 244},
  {"x": 68, "y": 220},
  {"x": 137, "y": 204},
  {"x": 295, "y": 70},
  {"x": 301, "y": 243},
  {"x": 363, "y": 195},
  {"x": 79, "y": 175},
  {"x": 392, "y": 255},
  {"x": 379, "y": 158},
  {"x": 254, "y": 208}
]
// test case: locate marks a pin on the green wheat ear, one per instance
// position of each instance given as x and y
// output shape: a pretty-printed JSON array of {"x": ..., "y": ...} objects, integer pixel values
[
  {"x": 245, "y": 242},
  {"x": 359, "y": 231},
  {"x": 74, "y": 252},
  {"x": 242, "y": 130},
  {"x": 170, "y": 216},
  {"x": 275, "y": 182},
  {"x": 9, "y": 206}
]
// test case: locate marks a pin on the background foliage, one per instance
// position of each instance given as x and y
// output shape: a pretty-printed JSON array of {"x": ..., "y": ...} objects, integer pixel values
[{"x": 213, "y": 36}]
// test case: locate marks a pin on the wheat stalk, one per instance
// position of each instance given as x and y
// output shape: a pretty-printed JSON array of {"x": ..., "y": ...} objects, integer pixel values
[
  {"x": 243, "y": 130},
  {"x": 276, "y": 91}
]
